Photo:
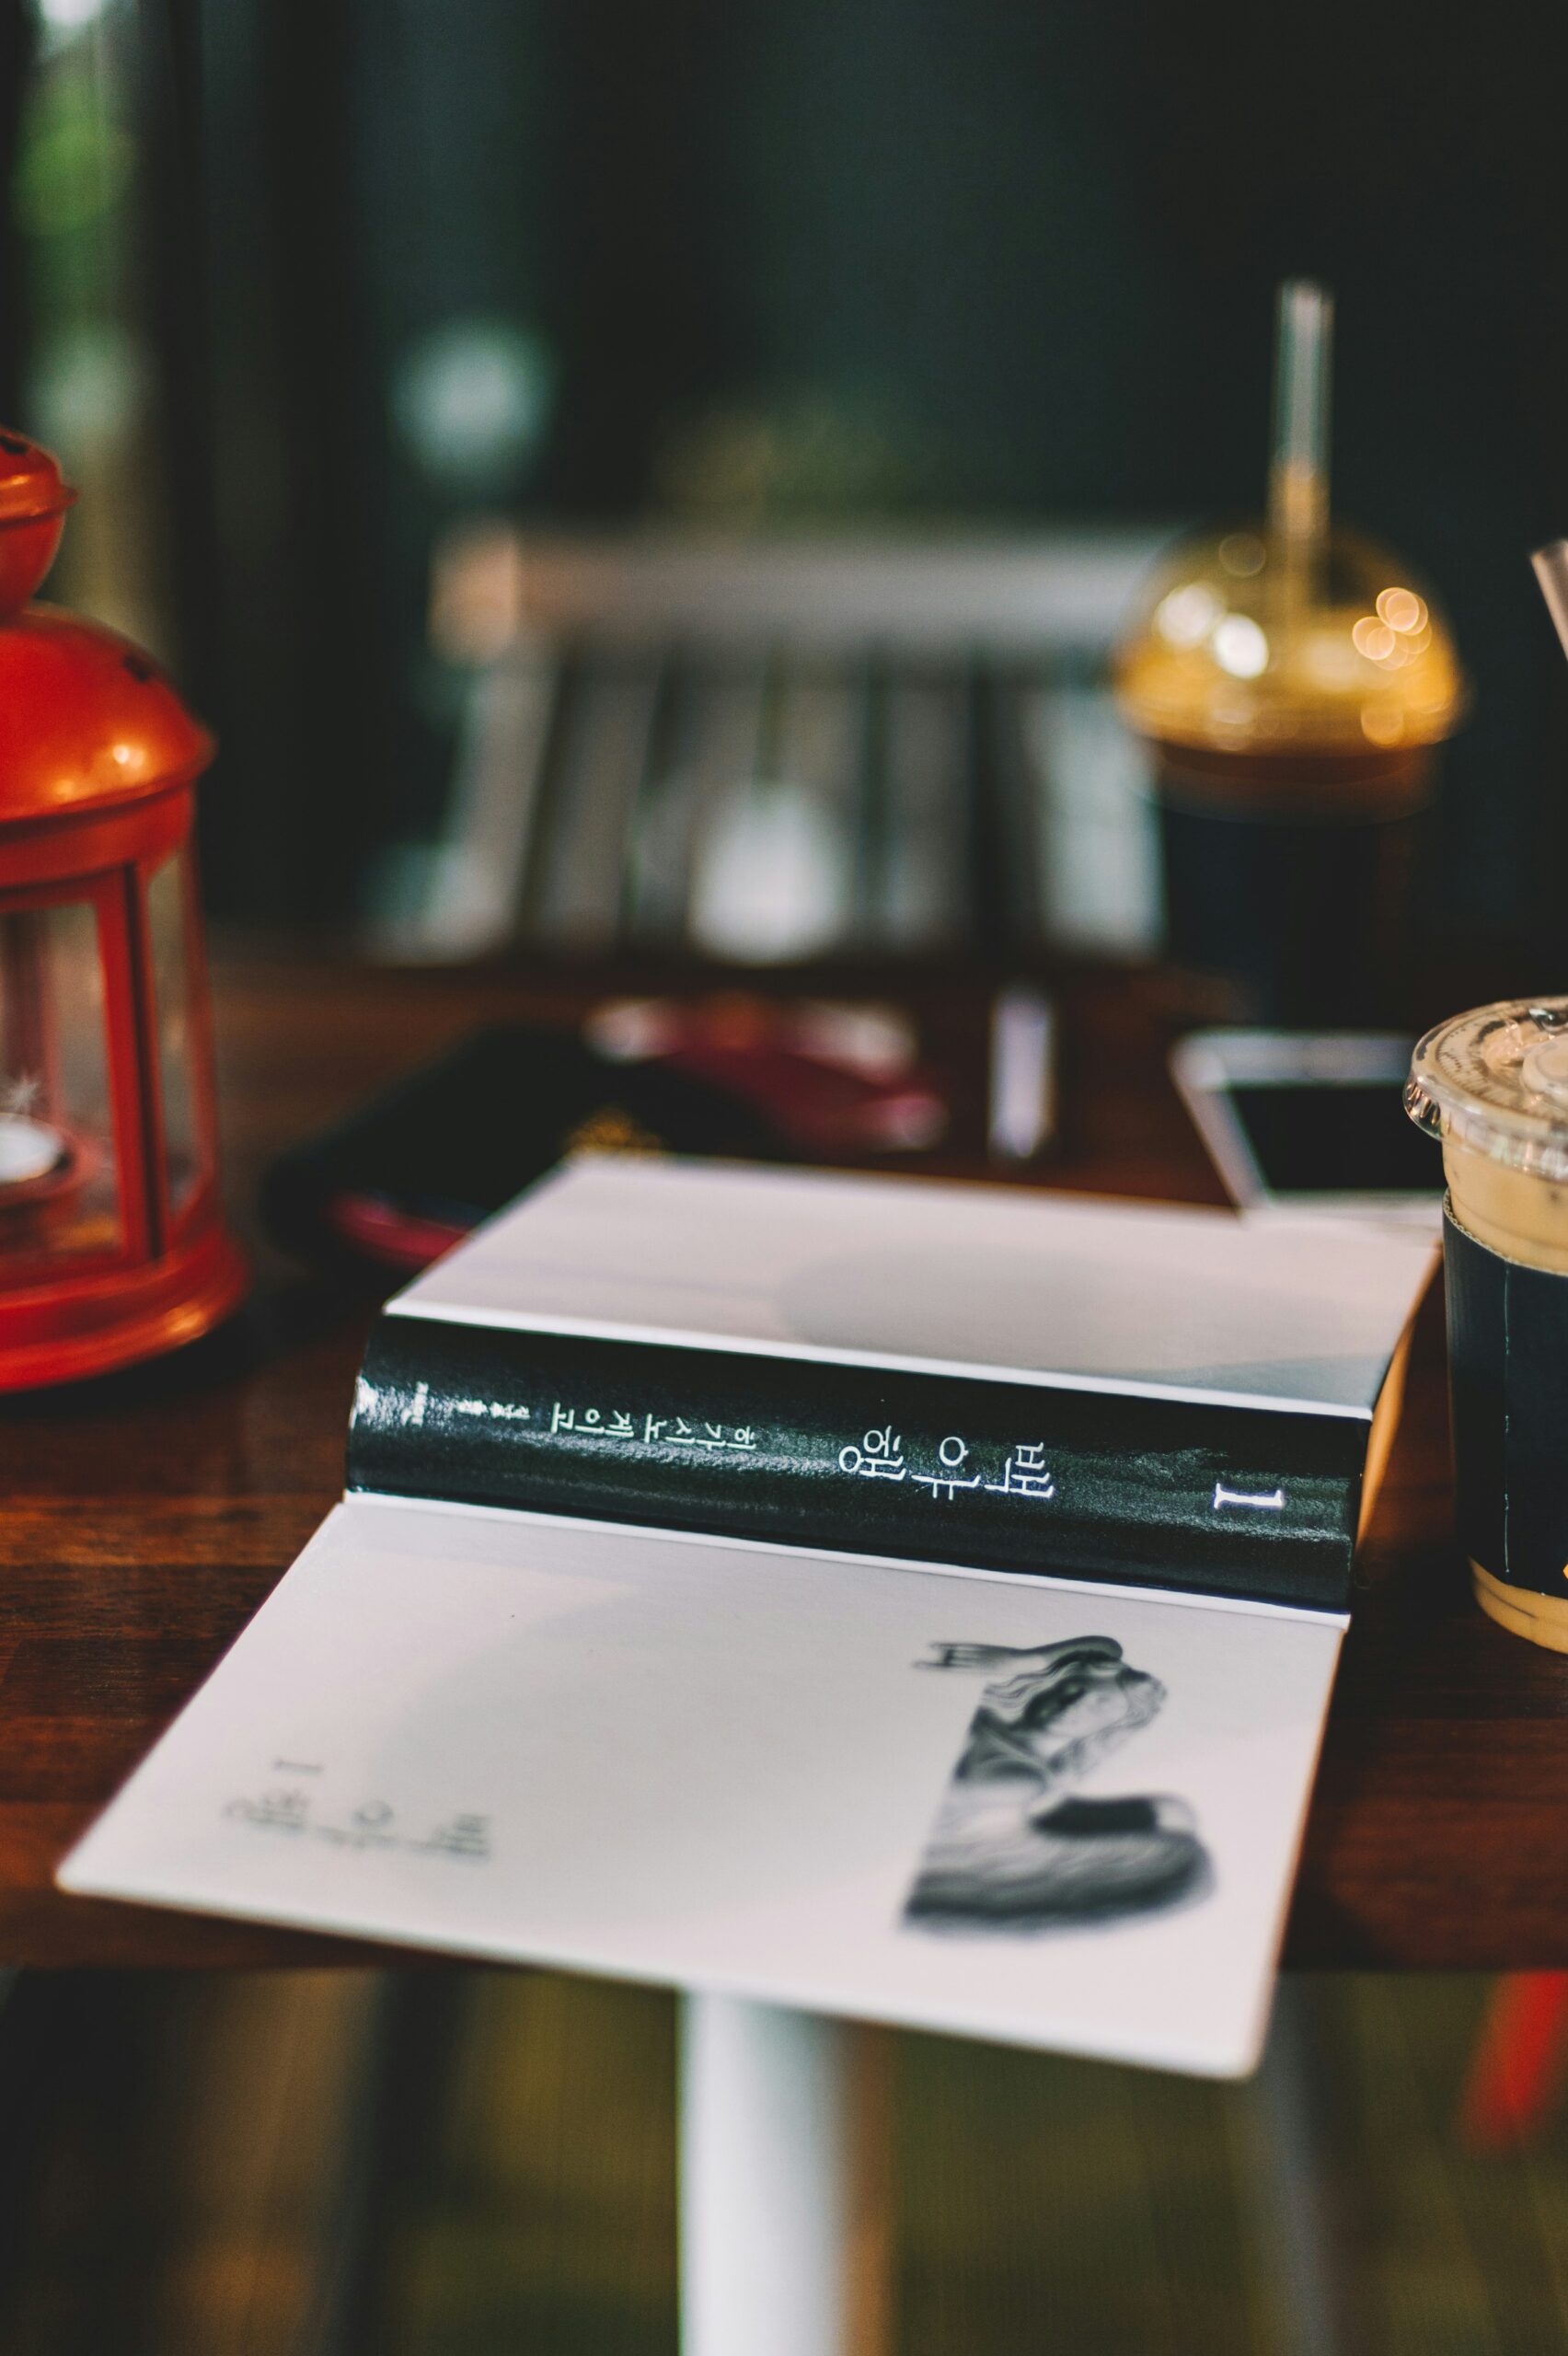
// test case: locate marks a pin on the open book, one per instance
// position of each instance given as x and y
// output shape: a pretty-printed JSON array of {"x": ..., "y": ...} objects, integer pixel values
[{"x": 905, "y": 1601}]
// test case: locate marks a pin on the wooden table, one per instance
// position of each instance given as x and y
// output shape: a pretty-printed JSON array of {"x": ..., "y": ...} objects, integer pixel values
[{"x": 144, "y": 1517}]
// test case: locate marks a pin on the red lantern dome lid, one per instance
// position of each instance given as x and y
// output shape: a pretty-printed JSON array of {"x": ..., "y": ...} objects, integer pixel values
[
  {"x": 85, "y": 719},
  {"x": 32, "y": 485}
]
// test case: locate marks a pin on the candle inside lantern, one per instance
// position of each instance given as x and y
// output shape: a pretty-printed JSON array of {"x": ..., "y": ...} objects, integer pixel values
[{"x": 28, "y": 1149}]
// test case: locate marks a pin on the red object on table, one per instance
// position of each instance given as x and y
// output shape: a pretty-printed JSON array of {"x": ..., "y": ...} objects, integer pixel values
[
  {"x": 112, "y": 1245},
  {"x": 831, "y": 1078},
  {"x": 1520, "y": 2059}
]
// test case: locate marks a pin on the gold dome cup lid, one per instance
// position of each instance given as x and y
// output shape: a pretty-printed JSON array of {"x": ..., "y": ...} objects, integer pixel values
[
  {"x": 1497, "y": 1078},
  {"x": 1235, "y": 647}
]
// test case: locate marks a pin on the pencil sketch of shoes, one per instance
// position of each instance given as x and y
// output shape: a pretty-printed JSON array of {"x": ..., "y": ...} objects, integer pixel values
[{"x": 1014, "y": 1848}]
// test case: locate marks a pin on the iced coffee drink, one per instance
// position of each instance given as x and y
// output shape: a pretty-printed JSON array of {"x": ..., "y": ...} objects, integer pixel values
[
  {"x": 1292, "y": 682},
  {"x": 1493, "y": 1086}
]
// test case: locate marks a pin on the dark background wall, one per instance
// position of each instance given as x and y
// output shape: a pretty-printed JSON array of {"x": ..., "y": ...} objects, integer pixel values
[
  {"x": 929, "y": 256},
  {"x": 16, "y": 51}
]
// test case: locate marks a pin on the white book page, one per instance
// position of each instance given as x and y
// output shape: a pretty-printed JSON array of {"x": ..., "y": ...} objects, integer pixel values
[
  {"x": 735, "y": 1768},
  {"x": 979, "y": 1280}
]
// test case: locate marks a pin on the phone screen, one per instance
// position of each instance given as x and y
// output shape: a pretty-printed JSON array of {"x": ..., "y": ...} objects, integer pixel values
[{"x": 1335, "y": 1137}]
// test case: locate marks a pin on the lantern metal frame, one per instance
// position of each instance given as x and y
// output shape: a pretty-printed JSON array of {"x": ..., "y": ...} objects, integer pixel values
[{"x": 99, "y": 761}]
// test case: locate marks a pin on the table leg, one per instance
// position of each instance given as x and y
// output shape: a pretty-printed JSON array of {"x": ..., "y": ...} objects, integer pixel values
[{"x": 784, "y": 2164}]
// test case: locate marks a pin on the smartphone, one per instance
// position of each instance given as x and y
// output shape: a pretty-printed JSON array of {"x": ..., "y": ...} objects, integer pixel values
[{"x": 1311, "y": 1122}]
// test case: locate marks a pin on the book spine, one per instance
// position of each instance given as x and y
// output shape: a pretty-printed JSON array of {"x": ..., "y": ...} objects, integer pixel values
[{"x": 1000, "y": 1477}]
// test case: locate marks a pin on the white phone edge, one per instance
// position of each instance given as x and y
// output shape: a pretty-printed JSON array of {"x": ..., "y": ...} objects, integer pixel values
[{"x": 1206, "y": 1066}]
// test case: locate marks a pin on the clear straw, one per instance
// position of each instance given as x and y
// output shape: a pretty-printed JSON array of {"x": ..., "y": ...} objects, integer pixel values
[
  {"x": 1552, "y": 571},
  {"x": 1298, "y": 479}
]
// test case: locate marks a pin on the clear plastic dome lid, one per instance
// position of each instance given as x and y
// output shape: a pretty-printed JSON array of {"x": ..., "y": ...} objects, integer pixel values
[
  {"x": 1498, "y": 1079},
  {"x": 1240, "y": 644}
]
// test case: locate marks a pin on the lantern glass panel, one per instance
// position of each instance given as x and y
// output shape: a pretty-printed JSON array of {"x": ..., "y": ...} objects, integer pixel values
[
  {"x": 59, "y": 1178},
  {"x": 168, "y": 902}
]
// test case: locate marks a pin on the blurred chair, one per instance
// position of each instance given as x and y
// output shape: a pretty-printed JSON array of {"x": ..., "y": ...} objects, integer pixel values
[{"x": 770, "y": 750}]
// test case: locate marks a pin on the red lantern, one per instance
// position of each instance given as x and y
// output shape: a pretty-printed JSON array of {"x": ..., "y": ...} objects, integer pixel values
[{"x": 112, "y": 1245}]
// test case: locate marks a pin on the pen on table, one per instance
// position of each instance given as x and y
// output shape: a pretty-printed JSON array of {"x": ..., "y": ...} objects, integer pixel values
[{"x": 1023, "y": 1112}]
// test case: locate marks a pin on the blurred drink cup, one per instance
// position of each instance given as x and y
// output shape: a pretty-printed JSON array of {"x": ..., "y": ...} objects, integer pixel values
[
  {"x": 1291, "y": 681},
  {"x": 1493, "y": 1086}
]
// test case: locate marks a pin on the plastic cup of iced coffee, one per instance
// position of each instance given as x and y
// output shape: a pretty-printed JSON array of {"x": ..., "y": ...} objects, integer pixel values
[
  {"x": 1292, "y": 682},
  {"x": 1492, "y": 1085}
]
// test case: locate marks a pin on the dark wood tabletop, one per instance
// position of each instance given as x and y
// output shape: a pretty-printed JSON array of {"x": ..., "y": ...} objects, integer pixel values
[{"x": 142, "y": 1517}]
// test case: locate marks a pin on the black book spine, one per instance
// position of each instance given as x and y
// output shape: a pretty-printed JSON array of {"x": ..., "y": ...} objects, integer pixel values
[{"x": 1001, "y": 1476}]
